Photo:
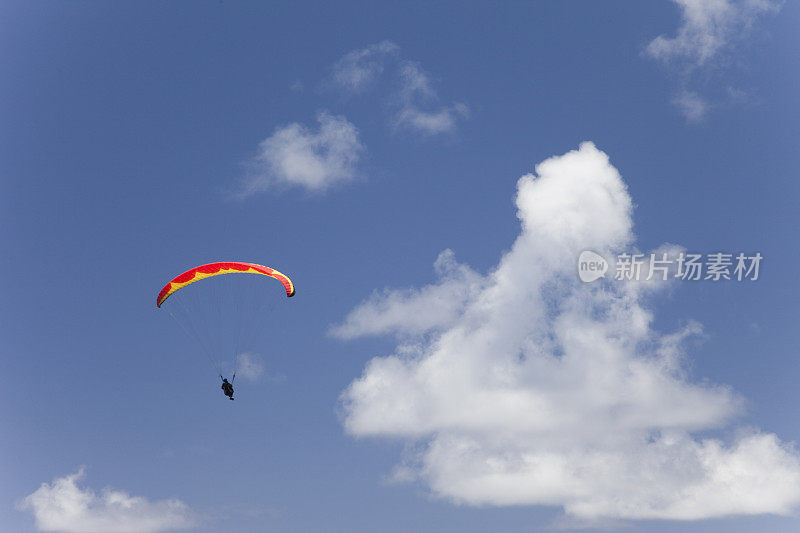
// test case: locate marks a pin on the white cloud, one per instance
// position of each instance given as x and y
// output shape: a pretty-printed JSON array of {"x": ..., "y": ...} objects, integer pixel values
[
  {"x": 692, "y": 105},
  {"x": 529, "y": 387},
  {"x": 249, "y": 366},
  {"x": 358, "y": 70},
  {"x": 418, "y": 108},
  {"x": 707, "y": 27},
  {"x": 442, "y": 120},
  {"x": 313, "y": 160},
  {"x": 416, "y": 311},
  {"x": 417, "y": 101},
  {"x": 63, "y": 506}
]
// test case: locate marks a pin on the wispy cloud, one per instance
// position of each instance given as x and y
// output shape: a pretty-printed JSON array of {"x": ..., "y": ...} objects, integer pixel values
[
  {"x": 529, "y": 387},
  {"x": 358, "y": 69},
  {"x": 708, "y": 28},
  {"x": 419, "y": 109},
  {"x": 294, "y": 155},
  {"x": 418, "y": 105},
  {"x": 63, "y": 506},
  {"x": 692, "y": 105},
  {"x": 249, "y": 366}
]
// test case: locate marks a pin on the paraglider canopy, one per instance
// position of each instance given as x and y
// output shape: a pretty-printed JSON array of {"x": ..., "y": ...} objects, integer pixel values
[{"x": 215, "y": 269}]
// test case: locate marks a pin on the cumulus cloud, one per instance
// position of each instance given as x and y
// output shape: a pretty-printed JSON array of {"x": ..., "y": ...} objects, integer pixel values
[
  {"x": 418, "y": 104},
  {"x": 294, "y": 155},
  {"x": 63, "y": 506},
  {"x": 358, "y": 69},
  {"x": 529, "y": 387}
]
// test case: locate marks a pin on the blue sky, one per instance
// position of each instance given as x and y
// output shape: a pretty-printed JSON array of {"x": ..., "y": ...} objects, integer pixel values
[{"x": 406, "y": 387}]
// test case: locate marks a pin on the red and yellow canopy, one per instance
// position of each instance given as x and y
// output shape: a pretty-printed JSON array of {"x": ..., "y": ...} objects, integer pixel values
[{"x": 215, "y": 269}]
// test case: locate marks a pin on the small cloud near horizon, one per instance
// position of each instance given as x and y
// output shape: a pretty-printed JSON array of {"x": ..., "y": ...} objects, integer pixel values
[{"x": 63, "y": 506}]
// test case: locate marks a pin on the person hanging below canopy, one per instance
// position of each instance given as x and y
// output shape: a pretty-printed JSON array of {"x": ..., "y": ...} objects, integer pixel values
[{"x": 227, "y": 386}]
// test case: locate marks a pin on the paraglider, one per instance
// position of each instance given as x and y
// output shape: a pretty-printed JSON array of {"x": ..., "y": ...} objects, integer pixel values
[{"x": 222, "y": 313}]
